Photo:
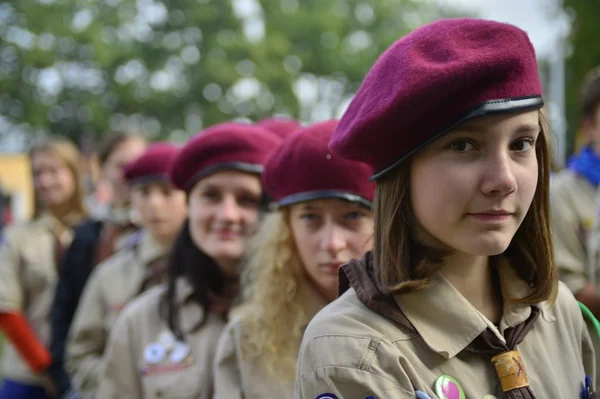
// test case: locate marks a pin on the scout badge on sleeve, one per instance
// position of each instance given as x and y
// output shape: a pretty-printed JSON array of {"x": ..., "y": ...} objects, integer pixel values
[{"x": 447, "y": 387}]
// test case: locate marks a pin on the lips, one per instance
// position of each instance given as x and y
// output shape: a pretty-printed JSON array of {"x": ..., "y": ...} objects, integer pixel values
[{"x": 331, "y": 267}]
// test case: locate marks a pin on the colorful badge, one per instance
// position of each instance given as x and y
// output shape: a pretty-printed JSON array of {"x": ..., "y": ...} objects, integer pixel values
[
  {"x": 326, "y": 396},
  {"x": 180, "y": 352},
  {"x": 154, "y": 353},
  {"x": 447, "y": 387}
]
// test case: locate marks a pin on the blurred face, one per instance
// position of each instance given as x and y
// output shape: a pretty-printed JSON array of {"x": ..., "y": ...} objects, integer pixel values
[
  {"x": 329, "y": 233},
  {"x": 224, "y": 211},
  {"x": 162, "y": 209},
  {"x": 112, "y": 169},
  {"x": 53, "y": 181},
  {"x": 471, "y": 189}
]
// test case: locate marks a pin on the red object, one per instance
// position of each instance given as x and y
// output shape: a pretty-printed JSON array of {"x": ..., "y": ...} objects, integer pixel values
[
  {"x": 18, "y": 331},
  {"x": 153, "y": 165},
  {"x": 304, "y": 169},
  {"x": 226, "y": 146},
  {"x": 282, "y": 127},
  {"x": 430, "y": 81}
]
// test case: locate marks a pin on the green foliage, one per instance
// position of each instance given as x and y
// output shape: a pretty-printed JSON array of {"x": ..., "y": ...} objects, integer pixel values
[
  {"x": 171, "y": 67},
  {"x": 585, "y": 54}
]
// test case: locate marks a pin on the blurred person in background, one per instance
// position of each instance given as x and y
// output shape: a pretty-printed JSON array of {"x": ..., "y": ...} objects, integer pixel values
[
  {"x": 140, "y": 265},
  {"x": 95, "y": 240},
  {"x": 163, "y": 344},
  {"x": 30, "y": 255},
  {"x": 574, "y": 209},
  {"x": 323, "y": 220}
]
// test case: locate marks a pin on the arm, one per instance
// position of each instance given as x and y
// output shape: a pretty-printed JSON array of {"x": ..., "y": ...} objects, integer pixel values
[
  {"x": 120, "y": 376},
  {"x": 87, "y": 338},
  {"x": 227, "y": 379},
  {"x": 17, "y": 329},
  {"x": 570, "y": 252}
]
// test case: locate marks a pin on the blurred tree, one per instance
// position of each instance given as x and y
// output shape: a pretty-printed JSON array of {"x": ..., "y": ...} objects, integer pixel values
[
  {"x": 585, "y": 55},
  {"x": 170, "y": 67}
]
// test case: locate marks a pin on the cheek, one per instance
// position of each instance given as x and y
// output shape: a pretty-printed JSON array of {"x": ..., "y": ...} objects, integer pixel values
[
  {"x": 250, "y": 218},
  {"x": 307, "y": 248}
]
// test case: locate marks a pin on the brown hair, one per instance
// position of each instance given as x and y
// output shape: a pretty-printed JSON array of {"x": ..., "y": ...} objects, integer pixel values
[
  {"x": 402, "y": 265},
  {"x": 113, "y": 141},
  {"x": 590, "y": 95},
  {"x": 66, "y": 151}
]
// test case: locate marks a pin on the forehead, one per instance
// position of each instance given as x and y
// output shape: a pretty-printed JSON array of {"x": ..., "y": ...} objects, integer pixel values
[
  {"x": 331, "y": 204},
  {"x": 46, "y": 158},
  {"x": 230, "y": 180},
  {"x": 505, "y": 122}
]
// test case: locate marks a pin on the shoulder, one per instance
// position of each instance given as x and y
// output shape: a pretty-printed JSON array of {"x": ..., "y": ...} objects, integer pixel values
[
  {"x": 566, "y": 306},
  {"x": 347, "y": 331},
  {"x": 145, "y": 305},
  {"x": 87, "y": 231}
]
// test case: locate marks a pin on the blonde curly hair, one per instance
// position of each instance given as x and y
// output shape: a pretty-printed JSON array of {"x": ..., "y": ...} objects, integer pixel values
[{"x": 278, "y": 299}]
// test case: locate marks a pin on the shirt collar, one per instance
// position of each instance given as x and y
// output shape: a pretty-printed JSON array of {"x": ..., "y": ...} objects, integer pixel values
[{"x": 448, "y": 323}]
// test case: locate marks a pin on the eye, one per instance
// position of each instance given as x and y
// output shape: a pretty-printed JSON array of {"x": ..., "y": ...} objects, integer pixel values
[
  {"x": 309, "y": 217},
  {"x": 522, "y": 145},
  {"x": 461, "y": 146},
  {"x": 210, "y": 196},
  {"x": 249, "y": 202},
  {"x": 355, "y": 215}
]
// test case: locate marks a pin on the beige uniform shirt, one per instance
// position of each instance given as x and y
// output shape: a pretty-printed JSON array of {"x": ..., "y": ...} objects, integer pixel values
[
  {"x": 113, "y": 283},
  {"x": 573, "y": 202},
  {"x": 144, "y": 360},
  {"x": 349, "y": 351},
  {"x": 28, "y": 276}
]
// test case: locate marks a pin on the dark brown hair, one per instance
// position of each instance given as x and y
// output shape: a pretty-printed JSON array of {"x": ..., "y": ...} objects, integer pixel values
[
  {"x": 403, "y": 265},
  {"x": 590, "y": 95}
]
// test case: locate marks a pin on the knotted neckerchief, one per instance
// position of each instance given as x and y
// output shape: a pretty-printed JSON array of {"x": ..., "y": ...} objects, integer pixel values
[
  {"x": 587, "y": 164},
  {"x": 505, "y": 358}
]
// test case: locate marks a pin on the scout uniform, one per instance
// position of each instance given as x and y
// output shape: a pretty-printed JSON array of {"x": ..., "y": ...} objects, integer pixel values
[
  {"x": 400, "y": 347},
  {"x": 116, "y": 281},
  {"x": 144, "y": 359},
  {"x": 29, "y": 256},
  {"x": 289, "y": 178},
  {"x": 431, "y": 342}
]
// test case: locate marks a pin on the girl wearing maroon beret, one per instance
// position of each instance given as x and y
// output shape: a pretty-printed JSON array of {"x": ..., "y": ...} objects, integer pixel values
[
  {"x": 323, "y": 220},
  {"x": 164, "y": 343},
  {"x": 459, "y": 297}
]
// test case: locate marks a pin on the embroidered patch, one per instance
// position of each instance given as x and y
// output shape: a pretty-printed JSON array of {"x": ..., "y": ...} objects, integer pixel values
[{"x": 326, "y": 396}]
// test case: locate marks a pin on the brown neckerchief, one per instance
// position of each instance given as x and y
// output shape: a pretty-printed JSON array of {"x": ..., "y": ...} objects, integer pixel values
[
  {"x": 359, "y": 274},
  {"x": 109, "y": 233}
]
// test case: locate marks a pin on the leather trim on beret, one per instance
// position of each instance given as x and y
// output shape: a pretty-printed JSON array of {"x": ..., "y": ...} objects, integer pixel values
[
  {"x": 254, "y": 169},
  {"x": 486, "y": 108},
  {"x": 324, "y": 194},
  {"x": 156, "y": 178}
]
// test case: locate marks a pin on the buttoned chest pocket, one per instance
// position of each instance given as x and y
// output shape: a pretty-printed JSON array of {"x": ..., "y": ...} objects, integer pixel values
[{"x": 176, "y": 381}]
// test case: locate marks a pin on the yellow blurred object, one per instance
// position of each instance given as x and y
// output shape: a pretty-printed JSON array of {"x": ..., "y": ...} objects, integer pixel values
[{"x": 15, "y": 180}]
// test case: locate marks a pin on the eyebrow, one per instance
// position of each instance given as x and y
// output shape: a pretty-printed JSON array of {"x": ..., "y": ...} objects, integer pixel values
[{"x": 523, "y": 128}]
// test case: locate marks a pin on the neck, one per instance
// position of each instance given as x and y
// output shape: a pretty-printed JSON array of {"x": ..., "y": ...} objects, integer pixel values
[
  {"x": 165, "y": 242},
  {"x": 61, "y": 211},
  {"x": 472, "y": 276}
]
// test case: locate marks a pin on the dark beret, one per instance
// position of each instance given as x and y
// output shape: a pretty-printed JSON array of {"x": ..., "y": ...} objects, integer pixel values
[
  {"x": 430, "y": 81},
  {"x": 226, "y": 146},
  {"x": 280, "y": 126},
  {"x": 153, "y": 165},
  {"x": 304, "y": 169}
]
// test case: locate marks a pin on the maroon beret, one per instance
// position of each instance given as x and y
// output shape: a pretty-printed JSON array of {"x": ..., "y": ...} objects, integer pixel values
[
  {"x": 153, "y": 165},
  {"x": 280, "y": 126},
  {"x": 304, "y": 169},
  {"x": 226, "y": 146},
  {"x": 430, "y": 81}
]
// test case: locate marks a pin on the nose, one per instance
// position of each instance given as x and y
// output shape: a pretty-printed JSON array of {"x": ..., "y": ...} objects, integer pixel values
[
  {"x": 333, "y": 240},
  {"x": 499, "y": 175},
  {"x": 228, "y": 210},
  {"x": 156, "y": 200}
]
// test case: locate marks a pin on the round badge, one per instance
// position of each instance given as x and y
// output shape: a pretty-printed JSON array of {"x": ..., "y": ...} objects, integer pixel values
[
  {"x": 180, "y": 352},
  {"x": 154, "y": 353},
  {"x": 167, "y": 340},
  {"x": 447, "y": 387}
]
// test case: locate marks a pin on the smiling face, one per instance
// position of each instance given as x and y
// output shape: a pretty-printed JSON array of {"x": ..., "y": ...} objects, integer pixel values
[
  {"x": 471, "y": 188},
  {"x": 223, "y": 213},
  {"x": 329, "y": 233}
]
